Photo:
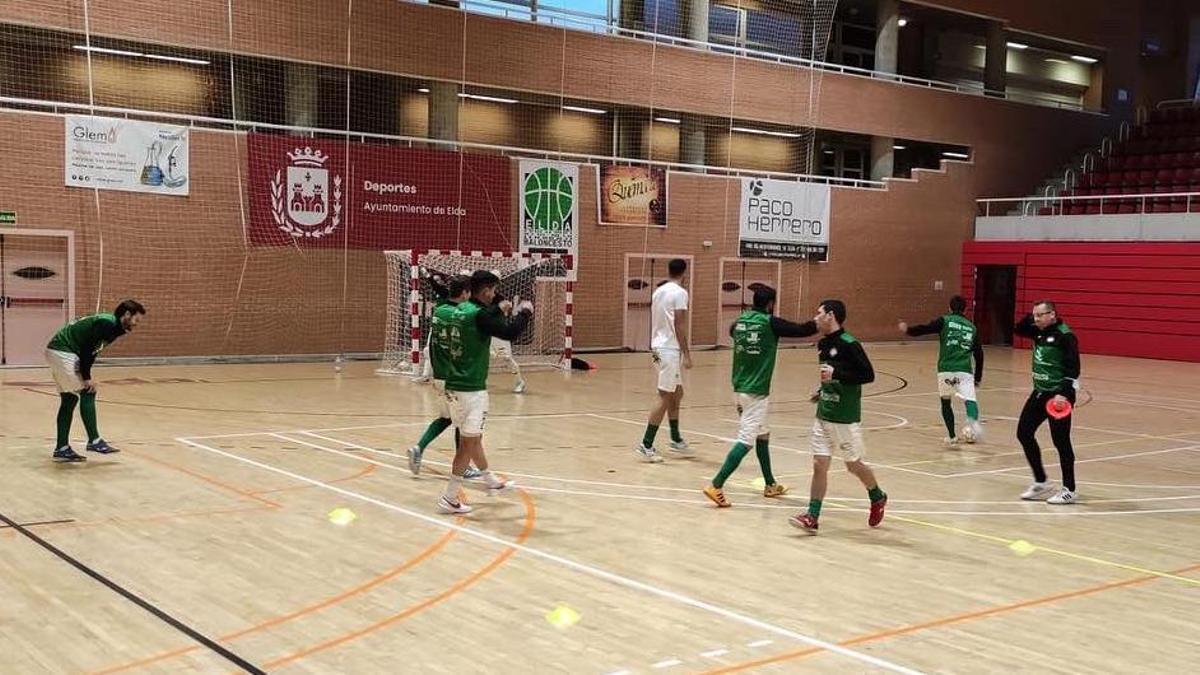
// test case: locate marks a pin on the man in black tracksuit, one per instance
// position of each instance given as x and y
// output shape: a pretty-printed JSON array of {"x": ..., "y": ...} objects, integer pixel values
[{"x": 1055, "y": 378}]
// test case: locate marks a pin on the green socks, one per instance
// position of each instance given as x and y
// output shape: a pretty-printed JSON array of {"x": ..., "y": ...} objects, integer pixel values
[
  {"x": 675, "y": 431},
  {"x": 648, "y": 438},
  {"x": 762, "y": 449},
  {"x": 814, "y": 508},
  {"x": 87, "y": 410},
  {"x": 434, "y": 429},
  {"x": 66, "y": 411},
  {"x": 948, "y": 416},
  {"x": 972, "y": 410},
  {"x": 875, "y": 494},
  {"x": 732, "y": 460}
]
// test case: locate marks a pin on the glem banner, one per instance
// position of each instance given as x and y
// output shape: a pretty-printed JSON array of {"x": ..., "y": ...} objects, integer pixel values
[
  {"x": 784, "y": 219},
  {"x": 633, "y": 195},
  {"x": 329, "y": 193}
]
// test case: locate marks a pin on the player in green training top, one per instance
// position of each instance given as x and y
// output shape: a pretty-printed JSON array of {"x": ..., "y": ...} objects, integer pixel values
[
  {"x": 958, "y": 343},
  {"x": 1055, "y": 378},
  {"x": 70, "y": 355},
  {"x": 755, "y": 336},
  {"x": 845, "y": 368},
  {"x": 454, "y": 291},
  {"x": 460, "y": 348}
]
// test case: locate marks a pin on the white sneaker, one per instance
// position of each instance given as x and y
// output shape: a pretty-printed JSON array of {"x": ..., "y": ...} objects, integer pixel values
[
  {"x": 520, "y": 387},
  {"x": 1064, "y": 496},
  {"x": 972, "y": 432},
  {"x": 950, "y": 443},
  {"x": 471, "y": 473},
  {"x": 446, "y": 506},
  {"x": 682, "y": 448},
  {"x": 649, "y": 454},
  {"x": 1037, "y": 491},
  {"x": 422, "y": 379},
  {"x": 414, "y": 460},
  {"x": 501, "y": 485}
]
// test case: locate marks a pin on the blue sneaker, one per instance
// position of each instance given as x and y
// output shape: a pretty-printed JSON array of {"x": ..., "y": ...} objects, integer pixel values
[
  {"x": 66, "y": 454},
  {"x": 102, "y": 447}
]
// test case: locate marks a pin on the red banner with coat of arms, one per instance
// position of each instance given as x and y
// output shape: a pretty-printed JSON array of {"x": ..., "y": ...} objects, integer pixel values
[{"x": 319, "y": 193}]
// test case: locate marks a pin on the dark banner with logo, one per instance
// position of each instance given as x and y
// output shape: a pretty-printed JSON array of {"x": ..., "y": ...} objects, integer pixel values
[
  {"x": 633, "y": 195},
  {"x": 329, "y": 193}
]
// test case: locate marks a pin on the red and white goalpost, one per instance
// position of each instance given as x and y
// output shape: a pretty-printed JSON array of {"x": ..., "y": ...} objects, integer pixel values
[{"x": 540, "y": 278}]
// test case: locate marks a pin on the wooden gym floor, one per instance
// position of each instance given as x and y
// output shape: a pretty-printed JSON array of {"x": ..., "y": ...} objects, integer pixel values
[{"x": 207, "y": 546}]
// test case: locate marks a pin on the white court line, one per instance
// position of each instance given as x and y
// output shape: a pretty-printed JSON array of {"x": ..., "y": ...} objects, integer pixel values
[
  {"x": 667, "y": 664},
  {"x": 760, "y": 643},
  {"x": 726, "y": 439},
  {"x": 902, "y": 423},
  {"x": 422, "y": 423},
  {"x": 589, "y": 570},
  {"x": 715, "y": 653},
  {"x": 1078, "y": 461}
]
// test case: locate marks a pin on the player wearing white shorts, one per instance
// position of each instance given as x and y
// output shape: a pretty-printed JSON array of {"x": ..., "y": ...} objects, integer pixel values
[
  {"x": 454, "y": 292},
  {"x": 460, "y": 348},
  {"x": 70, "y": 355},
  {"x": 502, "y": 349},
  {"x": 958, "y": 343},
  {"x": 845, "y": 368},
  {"x": 670, "y": 353},
  {"x": 755, "y": 336}
]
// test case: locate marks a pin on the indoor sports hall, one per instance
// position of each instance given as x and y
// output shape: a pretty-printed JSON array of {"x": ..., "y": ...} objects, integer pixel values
[{"x": 386, "y": 336}]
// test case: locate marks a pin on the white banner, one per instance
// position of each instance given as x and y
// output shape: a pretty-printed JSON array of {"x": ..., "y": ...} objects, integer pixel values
[
  {"x": 549, "y": 193},
  {"x": 119, "y": 154},
  {"x": 784, "y": 219}
]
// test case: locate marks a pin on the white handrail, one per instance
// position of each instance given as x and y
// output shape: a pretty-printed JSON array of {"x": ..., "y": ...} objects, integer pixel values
[
  {"x": 1089, "y": 162},
  {"x": 1081, "y": 198},
  {"x": 1106, "y": 146},
  {"x": 218, "y": 124}
]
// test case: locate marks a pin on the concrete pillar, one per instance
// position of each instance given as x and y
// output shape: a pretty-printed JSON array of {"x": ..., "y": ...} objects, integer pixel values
[
  {"x": 883, "y": 157},
  {"x": 996, "y": 61},
  {"x": 300, "y": 95},
  {"x": 693, "y": 16},
  {"x": 887, "y": 36},
  {"x": 443, "y": 111},
  {"x": 691, "y": 139}
]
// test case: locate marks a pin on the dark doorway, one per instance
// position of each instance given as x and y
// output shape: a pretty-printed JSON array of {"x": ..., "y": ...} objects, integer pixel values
[{"x": 995, "y": 303}]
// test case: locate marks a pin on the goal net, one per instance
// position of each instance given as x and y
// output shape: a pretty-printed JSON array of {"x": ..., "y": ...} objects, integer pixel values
[{"x": 541, "y": 279}]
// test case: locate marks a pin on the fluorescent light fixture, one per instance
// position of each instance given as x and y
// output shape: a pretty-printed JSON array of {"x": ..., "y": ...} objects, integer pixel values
[
  {"x": 980, "y": 46},
  {"x": 1016, "y": 45},
  {"x": 424, "y": 90},
  {"x": 1066, "y": 63},
  {"x": 899, "y": 147},
  {"x": 666, "y": 120},
  {"x": 764, "y": 132},
  {"x": 902, "y": 22},
  {"x": 956, "y": 155},
  {"x": 1084, "y": 59},
  {"x": 125, "y": 52},
  {"x": 828, "y": 152},
  {"x": 590, "y": 111},
  {"x": 492, "y": 99}
]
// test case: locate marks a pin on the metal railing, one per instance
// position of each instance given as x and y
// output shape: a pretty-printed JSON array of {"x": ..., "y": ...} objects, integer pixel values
[
  {"x": 219, "y": 124},
  {"x": 609, "y": 24},
  {"x": 1108, "y": 204}
]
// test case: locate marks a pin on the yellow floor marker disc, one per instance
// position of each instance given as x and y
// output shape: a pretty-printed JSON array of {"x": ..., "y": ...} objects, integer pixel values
[
  {"x": 1022, "y": 547},
  {"x": 562, "y": 616},
  {"x": 342, "y": 516}
]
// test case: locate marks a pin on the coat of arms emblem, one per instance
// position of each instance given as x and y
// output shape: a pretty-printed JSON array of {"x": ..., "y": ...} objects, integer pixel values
[{"x": 304, "y": 205}]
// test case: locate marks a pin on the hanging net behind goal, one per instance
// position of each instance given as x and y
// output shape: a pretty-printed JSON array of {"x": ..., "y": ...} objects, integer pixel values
[{"x": 540, "y": 279}]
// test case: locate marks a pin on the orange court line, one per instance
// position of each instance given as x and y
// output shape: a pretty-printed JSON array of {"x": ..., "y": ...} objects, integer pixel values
[
  {"x": 458, "y": 587},
  {"x": 304, "y": 611},
  {"x": 946, "y": 621},
  {"x": 207, "y": 479},
  {"x": 370, "y": 469},
  {"x": 117, "y": 520}
]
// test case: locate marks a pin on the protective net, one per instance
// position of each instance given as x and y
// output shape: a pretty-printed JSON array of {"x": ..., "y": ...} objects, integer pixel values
[{"x": 542, "y": 280}]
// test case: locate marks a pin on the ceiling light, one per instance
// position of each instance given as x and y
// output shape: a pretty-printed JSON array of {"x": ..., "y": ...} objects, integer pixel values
[
  {"x": 590, "y": 111},
  {"x": 493, "y": 99},
  {"x": 1016, "y": 45},
  {"x": 764, "y": 132},
  {"x": 666, "y": 120},
  {"x": 1058, "y": 61},
  {"x": 1084, "y": 59},
  {"x": 424, "y": 90},
  {"x": 956, "y": 155},
  {"x": 899, "y": 147},
  {"x": 902, "y": 22}
]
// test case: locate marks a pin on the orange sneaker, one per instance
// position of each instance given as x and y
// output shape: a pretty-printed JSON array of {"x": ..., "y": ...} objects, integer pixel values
[
  {"x": 775, "y": 490},
  {"x": 717, "y": 495}
]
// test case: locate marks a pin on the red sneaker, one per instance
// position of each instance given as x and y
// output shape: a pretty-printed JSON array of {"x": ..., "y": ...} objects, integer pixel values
[
  {"x": 804, "y": 521},
  {"x": 876, "y": 516}
]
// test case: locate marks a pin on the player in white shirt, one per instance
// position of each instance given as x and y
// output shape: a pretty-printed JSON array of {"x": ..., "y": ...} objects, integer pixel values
[{"x": 670, "y": 352}]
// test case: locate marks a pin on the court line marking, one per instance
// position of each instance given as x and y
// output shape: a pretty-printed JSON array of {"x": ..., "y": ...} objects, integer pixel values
[
  {"x": 207, "y": 479},
  {"x": 984, "y": 472},
  {"x": 1055, "y": 551},
  {"x": 584, "y": 568},
  {"x": 951, "y": 620},
  {"x": 421, "y": 556},
  {"x": 706, "y": 503}
]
